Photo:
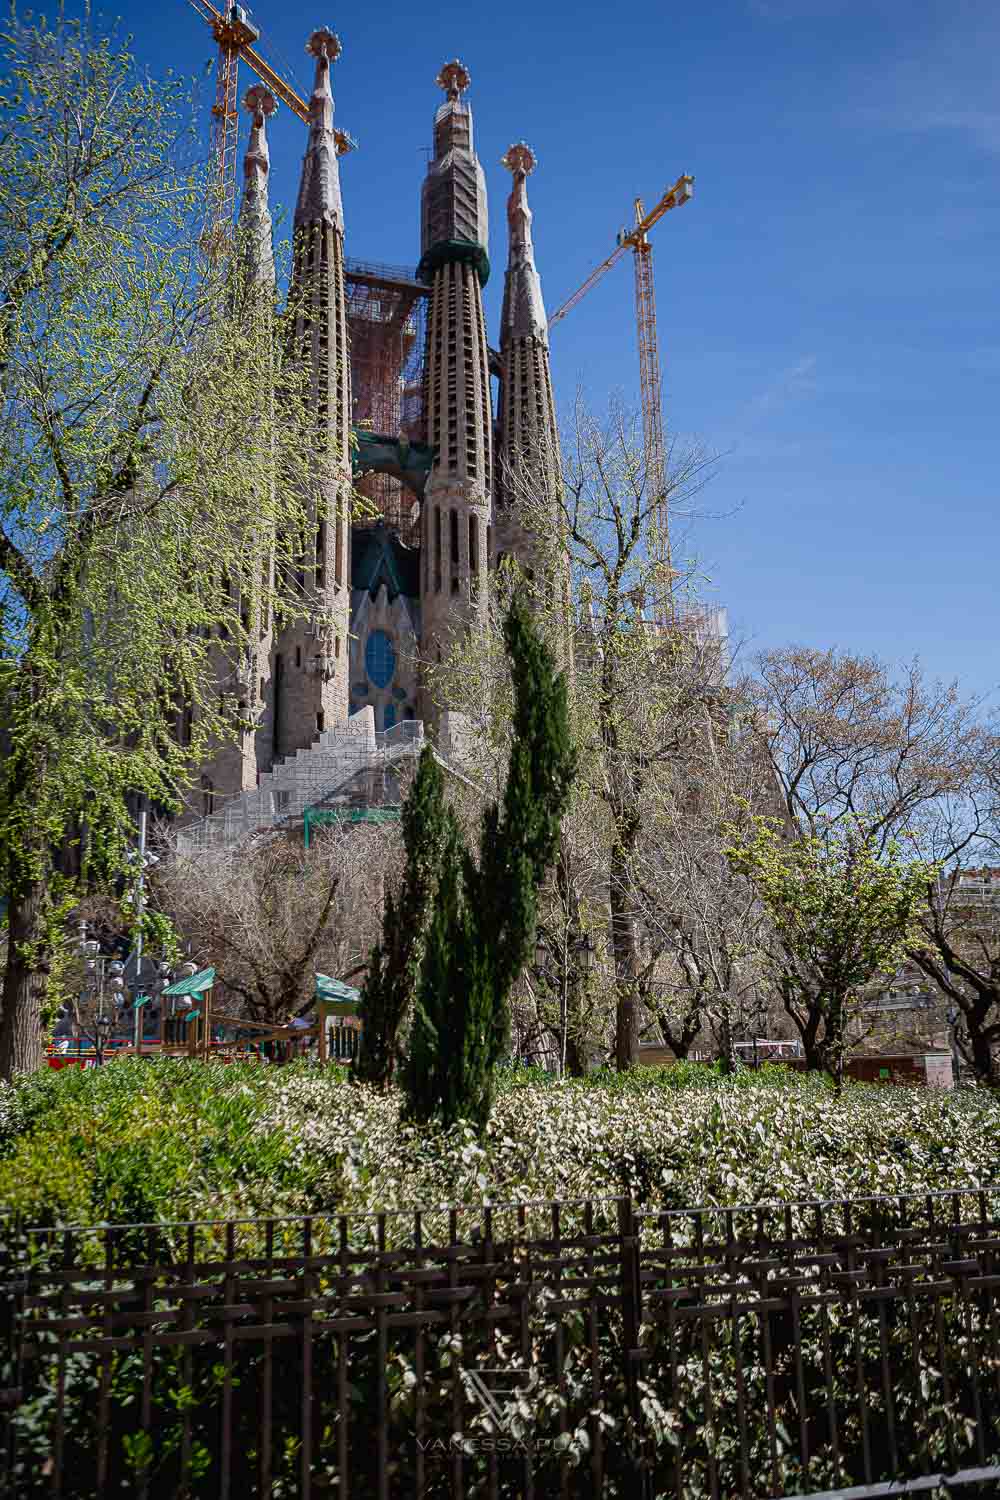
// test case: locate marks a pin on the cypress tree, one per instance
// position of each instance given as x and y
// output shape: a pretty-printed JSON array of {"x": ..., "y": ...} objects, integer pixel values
[
  {"x": 394, "y": 965},
  {"x": 484, "y": 923}
]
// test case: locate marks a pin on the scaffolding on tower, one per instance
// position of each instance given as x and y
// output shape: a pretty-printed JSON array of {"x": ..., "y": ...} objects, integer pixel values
[{"x": 386, "y": 319}]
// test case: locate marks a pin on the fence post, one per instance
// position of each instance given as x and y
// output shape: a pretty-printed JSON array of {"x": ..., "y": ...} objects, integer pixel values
[
  {"x": 631, "y": 1295},
  {"x": 13, "y": 1285}
]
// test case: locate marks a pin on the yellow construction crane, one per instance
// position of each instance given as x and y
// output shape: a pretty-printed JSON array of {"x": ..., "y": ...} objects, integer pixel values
[
  {"x": 637, "y": 240},
  {"x": 236, "y": 34}
]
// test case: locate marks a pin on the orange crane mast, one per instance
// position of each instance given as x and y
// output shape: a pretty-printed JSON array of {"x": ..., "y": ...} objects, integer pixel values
[
  {"x": 654, "y": 447},
  {"x": 236, "y": 34}
]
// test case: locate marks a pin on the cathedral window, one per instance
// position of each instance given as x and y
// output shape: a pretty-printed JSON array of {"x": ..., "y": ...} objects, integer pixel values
[
  {"x": 380, "y": 658},
  {"x": 321, "y": 555},
  {"x": 474, "y": 543},
  {"x": 454, "y": 537}
]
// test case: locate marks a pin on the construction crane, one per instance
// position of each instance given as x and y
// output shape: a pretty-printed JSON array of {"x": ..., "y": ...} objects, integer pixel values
[
  {"x": 236, "y": 34},
  {"x": 637, "y": 240}
]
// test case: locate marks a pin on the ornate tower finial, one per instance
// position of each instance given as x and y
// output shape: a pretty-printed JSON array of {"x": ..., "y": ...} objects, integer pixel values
[
  {"x": 519, "y": 158},
  {"x": 454, "y": 78},
  {"x": 324, "y": 43},
  {"x": 260, "y": 104}
]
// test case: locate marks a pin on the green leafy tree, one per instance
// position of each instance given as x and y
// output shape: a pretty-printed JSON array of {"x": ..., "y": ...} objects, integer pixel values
[
  {"x": 484, "y": 918},
  {"x": 842, "y": 913},
  {"x": 642, "y": 684},
  {"x": 394, "y": 967},
  {"x": 139, "y": 430}
]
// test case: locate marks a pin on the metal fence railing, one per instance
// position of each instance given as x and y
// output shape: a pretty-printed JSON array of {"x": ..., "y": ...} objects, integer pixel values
[{"x": 578, "y": 1348}]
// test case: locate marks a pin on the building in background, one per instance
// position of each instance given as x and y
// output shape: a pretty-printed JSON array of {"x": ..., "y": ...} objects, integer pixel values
[{"x": 400, "y": 376}]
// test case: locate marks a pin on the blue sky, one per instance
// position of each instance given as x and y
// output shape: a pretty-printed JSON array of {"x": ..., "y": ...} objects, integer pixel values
[{"x": 827, "y": 302}]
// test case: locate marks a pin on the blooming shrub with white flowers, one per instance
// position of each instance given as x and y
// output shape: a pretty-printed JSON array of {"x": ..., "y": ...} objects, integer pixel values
[
  {"x": 140, "y": 1141},
  {"x": 173, "y": 1140}
]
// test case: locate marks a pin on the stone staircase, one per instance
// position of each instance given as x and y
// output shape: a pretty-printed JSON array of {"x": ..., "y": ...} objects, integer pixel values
[{"x": 302, "y": 780}]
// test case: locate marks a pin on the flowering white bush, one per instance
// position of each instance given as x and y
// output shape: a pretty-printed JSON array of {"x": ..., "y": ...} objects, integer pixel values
[
  {"x": 172, "y": 1140},
  {"x": 665, "y": 1147}
]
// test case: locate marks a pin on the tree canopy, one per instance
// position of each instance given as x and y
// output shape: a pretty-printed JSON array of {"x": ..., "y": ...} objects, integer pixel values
[{"x": 147, "y": 465}]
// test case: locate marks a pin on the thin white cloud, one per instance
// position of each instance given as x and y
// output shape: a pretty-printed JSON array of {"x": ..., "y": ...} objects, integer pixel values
[
  {"x": 941, "y": 80},
  {"x": 788, "y": 385}
]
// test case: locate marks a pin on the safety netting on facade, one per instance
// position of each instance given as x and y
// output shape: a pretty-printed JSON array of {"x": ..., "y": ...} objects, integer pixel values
[{"x": 386, "y": 315}]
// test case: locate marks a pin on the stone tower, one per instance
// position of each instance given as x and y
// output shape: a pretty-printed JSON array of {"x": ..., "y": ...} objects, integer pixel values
[
  {"x": 254, "y": 229},
  {"x": 310, "y": 661},
  {"x": 454, "y": 261},
  {"x": 233, "y": 767},
  {"x": 528, "y": 456}
]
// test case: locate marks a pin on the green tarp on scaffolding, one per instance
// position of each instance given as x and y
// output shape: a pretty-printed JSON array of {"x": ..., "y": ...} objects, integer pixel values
[{"x": 315, "y": 817}]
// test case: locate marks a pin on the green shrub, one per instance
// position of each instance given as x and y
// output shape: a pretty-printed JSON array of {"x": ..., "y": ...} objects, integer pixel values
[{"x": 175, "y": 1139}]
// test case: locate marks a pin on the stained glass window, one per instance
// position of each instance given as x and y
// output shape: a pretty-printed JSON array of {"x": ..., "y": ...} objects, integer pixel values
[
  {"x": 389, "y": 717},
  {"x": 380, "y": 658}
]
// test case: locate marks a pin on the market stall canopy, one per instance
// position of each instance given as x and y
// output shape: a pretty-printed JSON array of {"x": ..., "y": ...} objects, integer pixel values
[
  {"x": 193, "y": 984},
  {"x": 335, "y": 997}
]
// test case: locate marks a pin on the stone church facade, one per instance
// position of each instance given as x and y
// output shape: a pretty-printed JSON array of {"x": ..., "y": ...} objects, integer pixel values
[{"x": 401, "y": 374}]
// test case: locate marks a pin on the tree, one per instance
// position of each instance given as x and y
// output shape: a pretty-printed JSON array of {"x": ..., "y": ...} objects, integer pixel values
[
  {"x": 270, "y": 915},
  {"x": 842, "y": 913},
  {"x": 703, "y": 921},
  {"x": 849, "y": 738},
  {"x": 640, "y": 682},
  {"x": 958, "y": 948},
  {"x": 395, "y": 963},
  {"x": 485, "y": 913},
  {"x": 563, "y": 1010},
  {"x": 139, "y": 431}
]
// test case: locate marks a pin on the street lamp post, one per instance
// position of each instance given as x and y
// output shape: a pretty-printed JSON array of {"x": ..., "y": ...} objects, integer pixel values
[{"x": 100, "y": 974}]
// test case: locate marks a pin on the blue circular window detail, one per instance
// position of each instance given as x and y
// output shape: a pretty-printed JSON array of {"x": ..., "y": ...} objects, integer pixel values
[{"x": 380, "y": 659}]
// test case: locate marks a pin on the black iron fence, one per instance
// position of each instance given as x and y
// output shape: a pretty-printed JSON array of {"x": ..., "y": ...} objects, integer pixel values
[{"x": 535, "y": 1350}]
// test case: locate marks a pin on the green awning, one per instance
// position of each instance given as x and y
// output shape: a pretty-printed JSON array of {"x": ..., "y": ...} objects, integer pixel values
[
  {"x": 335, "y": 989},
  {"x": 194, "y": 984}
]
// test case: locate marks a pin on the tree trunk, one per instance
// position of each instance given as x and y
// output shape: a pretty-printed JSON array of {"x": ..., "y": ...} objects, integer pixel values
[
  {"x": 623, "y": 951},
  {"x": 984, "y": 1063},
  {"x": 576, "y": 1061},
  {"x": 812, "y": 1048},
  {"x": 726, "y": 1049},
  {"x": 24, "y": 982}
]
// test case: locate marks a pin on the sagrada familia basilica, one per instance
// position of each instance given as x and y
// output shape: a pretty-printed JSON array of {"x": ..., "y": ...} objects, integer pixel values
[{"x": 401, "y": 376}]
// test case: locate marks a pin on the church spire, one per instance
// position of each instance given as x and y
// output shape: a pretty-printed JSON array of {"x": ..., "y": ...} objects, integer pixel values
[
  {"x": 523, "y": 309},
  {"x": 309, "y": 699},
  {"x": 529, "y": 461},
  {"x": 453, "y": 200},
  {"x": 319, "y": 189},
  {"x": 255, "y": 217},
  {"x": 456, "y": 515}
]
